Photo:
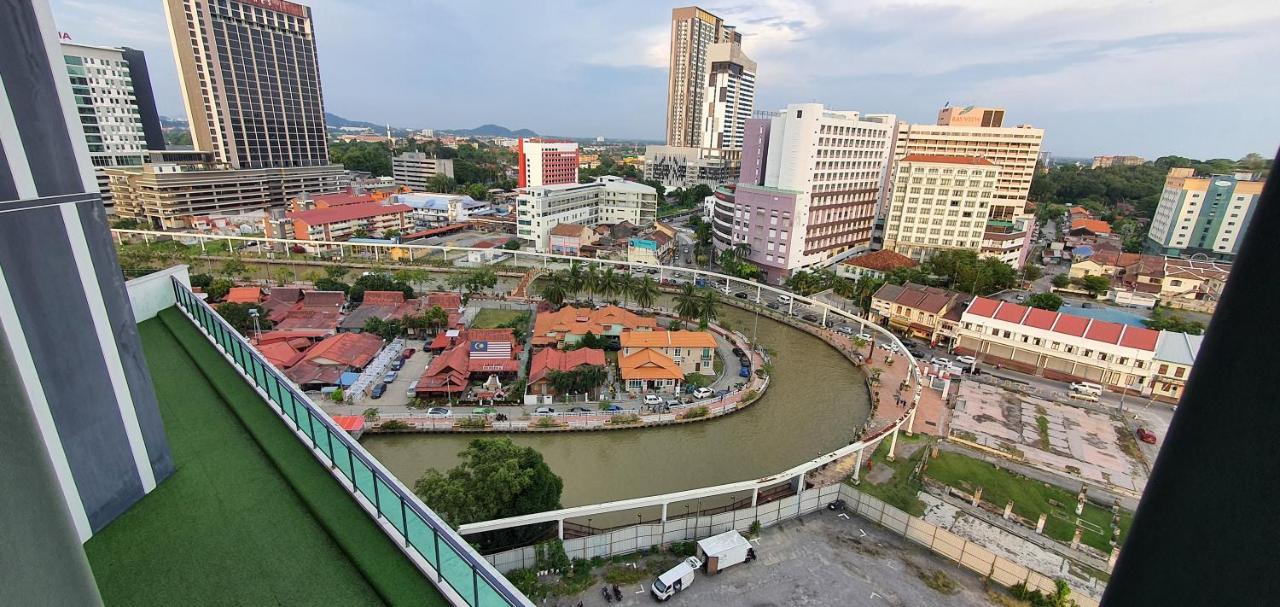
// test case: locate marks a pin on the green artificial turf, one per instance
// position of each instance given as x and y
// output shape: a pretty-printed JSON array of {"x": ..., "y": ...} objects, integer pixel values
[{"x": 249, "y": 517}]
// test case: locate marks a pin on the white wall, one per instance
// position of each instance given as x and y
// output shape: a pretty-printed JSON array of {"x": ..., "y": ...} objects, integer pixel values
[{"x": 154, "y": 292}]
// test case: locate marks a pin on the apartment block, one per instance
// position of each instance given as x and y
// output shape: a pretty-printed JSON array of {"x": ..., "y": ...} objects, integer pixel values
[
  {"x": 1013, "y": 149},
  {"x": 1203, "y": 214},
  {"x": 730, "y": 97},
  {"x": 167, "y": 195},
  {"x": 693, "y": 32},
  {"x": 939, "y": 203},
  {"x": 250, "y": 79},
  {"x": 115, "y": 106},
  {"x": 607, "y": 200},
  {"x": 341, "y": 223},
  {"x": 1102, "y": 162},
  {"x": 1009, "y": 241},
  {"x": 546, "y": 162},
  {"x": 810, "y": 184},
  {"x": 687, "y": 167},
  {"x": 414, "y": 170}
]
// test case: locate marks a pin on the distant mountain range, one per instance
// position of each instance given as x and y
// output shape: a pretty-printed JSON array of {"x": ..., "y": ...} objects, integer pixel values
[
  {"x": 490, "y": 130},
  {"x": 336, "y": 121}
]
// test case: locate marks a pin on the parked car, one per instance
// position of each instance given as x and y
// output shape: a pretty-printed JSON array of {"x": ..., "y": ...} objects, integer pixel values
[
  {"x": 810, "y": 317},
  {"x": 671, "y": 402},
  {"x": 738, "y": 352},
  {"x": 1146, "y": 436},
  {"x": 544, "y": 411},
  {"x": 888, "y": 345},
  {"x": 579, "y": 410},
  {"x": 940, "y": 361},
  {"x": 745, "y": 371},
  {"x": 485, "y": 411},
  {"x": 740, "y": 295},
  {"x": 773, "y": 305},
  {"x": 397, "y": 364},
  {"x": 966, "y": 360},
  {"x": 676, "y": 579},
  {"x": 845, "y": 330},
  {"x": 864, "y": 336},
  {"x": 412, "y": 391},
  {"x": 439, "y": 412},
  {"x": 784, "y": 299},
  {"x": 701, "y": 393},
  {"x": 1086, "y": 387},
  {"x": 652, "y": 399},
  {"x": 407, "y": 353},
  {"x": 378, "y": 391},
  {"x": 390, "y": 377},
  {"x": 613, "y": 408}
]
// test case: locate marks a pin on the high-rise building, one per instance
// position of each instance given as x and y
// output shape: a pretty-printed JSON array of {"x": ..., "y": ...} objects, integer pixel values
[
  {"x": 250, "y": 79},
  {"x": 687, "y": 167},
  {"x": 84, "y": 440},
  {"x": 729, "y": 98},
  {"x": 546, "y": 162},
  {"x": 971, "y": 116},
  {"x": 607, "y": 200},
  {"x": 811, "y": 182},
  {"x": 1013, "y": 149},
  {"x": 1205, "y": 214},
  {"x": 693, "y": 32},
  {"x": 114, "y": 103},
  {"x": 939, "y": 203},
  {"x": 414, "y": 170}
]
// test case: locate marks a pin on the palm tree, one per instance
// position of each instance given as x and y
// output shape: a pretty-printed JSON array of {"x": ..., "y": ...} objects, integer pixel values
[
  {"x": 608, "y": 283},
  {"x": 591, "y": 282},
  {"x": 555, "y": 288},
  {"x": 645, "y": 292},
  {"x": 626, "y": 285},
  {"x": 688, "y": 302},
  {"x": 708, "y": 306},
  {"x": 573, "y": 278}
]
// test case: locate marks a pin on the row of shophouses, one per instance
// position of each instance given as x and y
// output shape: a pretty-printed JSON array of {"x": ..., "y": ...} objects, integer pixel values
[{"x": 1051, "y": 344}]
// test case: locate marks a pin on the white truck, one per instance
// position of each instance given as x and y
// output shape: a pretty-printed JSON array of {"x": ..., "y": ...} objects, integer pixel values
[
  {"x": 676, "y": 579},
  {"x": 719, "y": 552}
]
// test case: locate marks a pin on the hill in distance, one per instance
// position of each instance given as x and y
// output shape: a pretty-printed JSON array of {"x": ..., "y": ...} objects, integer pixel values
[
  {"x": 336, "y": 121},
  {"x": 491, "y": 130}
]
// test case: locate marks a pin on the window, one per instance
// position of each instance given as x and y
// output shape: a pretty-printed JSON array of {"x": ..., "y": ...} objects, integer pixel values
[{"x": 1164, "y": 370}]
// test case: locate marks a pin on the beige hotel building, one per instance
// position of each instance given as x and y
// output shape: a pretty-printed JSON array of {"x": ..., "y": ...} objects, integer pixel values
[{"x": 939, "y": 202}]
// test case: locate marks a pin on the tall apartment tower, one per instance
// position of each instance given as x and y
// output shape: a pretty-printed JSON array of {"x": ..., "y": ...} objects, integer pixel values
[
  {"x": 964, "y": 132},
  {"x": 251, "y": 81},
  {"x": 939, "y": 203},
  {"x": 729, "y": 98},
  {"x": 546, "y": 162},
  {"x": 83, "y": 437},
  {"x": 414, "y": 170},
  {"x": 811, "y": 182},
  {"x": 111, "y": 88},
  {"x": 693, "y": 32},
  {"x": 1203, "y": 214}
]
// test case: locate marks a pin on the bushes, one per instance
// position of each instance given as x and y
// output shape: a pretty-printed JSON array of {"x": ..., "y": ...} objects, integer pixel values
[
  {"x": 393, "y": 424},
  {"x": 471, "y": 422},
  {"x": 683, "y": 549},
  {"x": 623, "y": 419},
  {"x": 546, "y": 421},
  {"x": 697, "y": 412}
]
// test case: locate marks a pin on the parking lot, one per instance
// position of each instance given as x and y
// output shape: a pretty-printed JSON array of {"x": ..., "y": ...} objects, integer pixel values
[{"x": 822, "y": 559}]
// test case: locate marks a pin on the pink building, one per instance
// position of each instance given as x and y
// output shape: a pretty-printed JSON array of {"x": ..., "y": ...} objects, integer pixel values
[{"x": 546, "y": 162}]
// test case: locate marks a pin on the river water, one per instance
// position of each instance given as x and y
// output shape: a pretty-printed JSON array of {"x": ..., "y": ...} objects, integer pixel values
[{"x": 815, "y": 404}]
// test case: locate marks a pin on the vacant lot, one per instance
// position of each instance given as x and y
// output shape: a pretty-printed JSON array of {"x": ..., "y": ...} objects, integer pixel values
[{"x": 490, "y": 318}]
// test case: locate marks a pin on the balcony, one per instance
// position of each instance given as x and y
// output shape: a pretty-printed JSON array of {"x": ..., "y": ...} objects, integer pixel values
[{"x": 270, "y": 503}]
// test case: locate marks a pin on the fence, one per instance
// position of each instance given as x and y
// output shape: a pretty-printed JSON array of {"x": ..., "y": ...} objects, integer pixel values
[
  {"x": 461, "y": 574},
  {"x": 963, "y": 552}
]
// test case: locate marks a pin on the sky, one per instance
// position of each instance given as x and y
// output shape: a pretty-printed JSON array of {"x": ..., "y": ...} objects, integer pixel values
[{"x": 1148, "y": 78}]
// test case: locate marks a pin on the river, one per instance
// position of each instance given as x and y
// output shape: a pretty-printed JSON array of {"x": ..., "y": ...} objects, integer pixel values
[{"x": 816, "y": 402}]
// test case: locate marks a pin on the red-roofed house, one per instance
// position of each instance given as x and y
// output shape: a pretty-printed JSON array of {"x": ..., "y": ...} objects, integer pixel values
[
  {"x": 549, "y": 359},
  {"x": 281, "y": 354},
  {"x": 249, "y": 295},
  {"x": 350, "y": 350},
  {"x": 874, "y": 264},
  {"x": 339, "y": 222},
  {"x": 1085, "y": 227},
  {"x": 925, "y": 312},
  {"x": 568, "y": 325},
  {"x": 448, "y": 373},
  {"x": 1058, "y": 345}
]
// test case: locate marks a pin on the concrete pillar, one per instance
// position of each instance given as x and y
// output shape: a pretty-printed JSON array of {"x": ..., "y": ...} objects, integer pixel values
[
  {"x": 1075, "y": 539},
  {"x": 893, "y": 444},
  {"x": 857, "y": 468},
  {"x": 1111, "y": 559},
  {"x": 664, "y": 512},
  {"x": 1008, "y": 510},
  {"x": 911, "y": 422},
  {"x": 1080, "y": 500},
  {"x": 755, "y": 496},
  {"x": 1040, "y": 523},
  {"x": 561, "y": 529},
  {"x": 977, "y": 496}
]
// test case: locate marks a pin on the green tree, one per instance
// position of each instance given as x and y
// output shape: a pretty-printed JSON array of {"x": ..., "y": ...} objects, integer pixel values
[
  {"x": 481, "y": 279},
  {"x": 377, "y": 282},
  {"x": 284, "y": 276},
  {"x": 234, "y": 267},
  {"x": 1095, "y": 285},
  {"x": 337, "y": 272},
  {"x": 626, "y": 285},
  {"x": 1032, "y": 272},
  {"x": 574, "y": 278},
  {"x": 201, "y": 281},
  {"x": 555, "y": 288},
  {"x": 219, "y": 289},
  {"x": 238, "y": 316},
  {"x": 387, "y": 329},
  {"x": 609, "y": 284},
  {"x": 591, "y": 282},
  {"x": 1061, "y": 281},
  {"x": 1164, "y": 320},
  {"x": 581, "y": 380},
  {"x": 495, "y": 479},
  {"x": 1045, "y": 301},
  {"x": 329, "y": 284},
  {"x": 688, "y": 302},
  {"x": 708, "y": 308},
  {"x": 646, "y": 292},
  {"x": 477, "y": 191},
  {"x": 512, "y": 244},
  {"x": 441, "y": 183}
]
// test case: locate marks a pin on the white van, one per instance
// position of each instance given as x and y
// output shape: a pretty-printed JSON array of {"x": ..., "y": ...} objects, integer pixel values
[
  {"x": 412, "y": 391},
  {"x": 1089, "y": 388},
  {"x": 676, "y": 579},
  {"x": 719, "y": 552},
  {"x": 784, "y": 299}
]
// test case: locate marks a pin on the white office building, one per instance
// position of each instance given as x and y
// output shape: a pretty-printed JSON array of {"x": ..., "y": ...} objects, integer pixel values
[
  {"x": 607, "y": 200},
  {"x": 414, "y": 170}
]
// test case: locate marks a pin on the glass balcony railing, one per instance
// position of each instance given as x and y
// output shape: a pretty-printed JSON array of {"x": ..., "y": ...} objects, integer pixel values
[{"x": 459, "y": 571}]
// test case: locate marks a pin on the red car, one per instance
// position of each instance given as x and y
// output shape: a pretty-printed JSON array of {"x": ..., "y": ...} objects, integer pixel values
[
  {"x": 1146, "y": 436},
  {"x": 407, "y": 353}
]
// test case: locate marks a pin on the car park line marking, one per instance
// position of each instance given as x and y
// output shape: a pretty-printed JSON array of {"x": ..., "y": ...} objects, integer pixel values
[
  {"x": 845, "y": 517},
  {"x": 864, "y": 533}
]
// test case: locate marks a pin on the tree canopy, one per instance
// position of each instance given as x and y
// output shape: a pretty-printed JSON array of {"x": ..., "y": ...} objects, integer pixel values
[
  {"x": 1164, "y": 320},
  {"x": 237, "y": 315},
  {"x": 376, "y": 282},
  {"x": 1045, "y": 301},
  {"x": 496, "y": 479}
]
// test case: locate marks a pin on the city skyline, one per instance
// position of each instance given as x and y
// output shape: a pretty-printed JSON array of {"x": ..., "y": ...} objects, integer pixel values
[{"x": 1107, "y": 92}]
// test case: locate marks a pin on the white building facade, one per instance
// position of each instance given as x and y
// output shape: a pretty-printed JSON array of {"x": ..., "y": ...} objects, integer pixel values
[
  {"x": 607, "y": 200},
  {"x": 414, "y": 170},
  {"x": 1013, "y": 149},
  {"x": 730, "y": 97},
  {"x": 939, "y": 203}
]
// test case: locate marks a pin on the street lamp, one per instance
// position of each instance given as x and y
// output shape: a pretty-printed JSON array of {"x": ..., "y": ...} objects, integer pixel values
[{"x": 257, "y": 329}]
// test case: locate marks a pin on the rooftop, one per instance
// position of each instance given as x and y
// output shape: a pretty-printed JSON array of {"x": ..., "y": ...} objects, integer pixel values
[
  {"x": 881, "y": 261},
  {"x": 930, "y": 299},
  {"x": 1097, "y": 226},
  {"x": 305, "y": 542},
  {"x": 649, "y": 364},
  {"x": 1180, "y": 348},
  {"x": 939, "y": 159},
  {"x": 349, "y": 212},
  {"x": 1066, "y": 324},
  {"x": 665, "y": 339}
]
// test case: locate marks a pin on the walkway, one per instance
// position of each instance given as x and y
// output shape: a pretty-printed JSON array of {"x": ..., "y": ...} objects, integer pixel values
[{"x": 249, "y": 517}]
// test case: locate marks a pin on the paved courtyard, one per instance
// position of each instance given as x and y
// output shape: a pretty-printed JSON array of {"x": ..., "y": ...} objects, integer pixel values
[
  {"x": 821, "y": 559},
  {"x": 1074, "y": 441}
]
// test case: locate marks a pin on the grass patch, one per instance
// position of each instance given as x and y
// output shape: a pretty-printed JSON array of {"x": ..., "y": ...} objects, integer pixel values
[
  {"x": 492, "y": 318},
  {"x": 936, "y": 579},
  {"x": 625, "y": 574},
  {"x": 306, "y": 541},
  {"x": 1043, "y": 423},
  {"x": 1030, "y": 498},
  {"x": 898, "y": 491},
  {"x": 1129, "y": 444}
]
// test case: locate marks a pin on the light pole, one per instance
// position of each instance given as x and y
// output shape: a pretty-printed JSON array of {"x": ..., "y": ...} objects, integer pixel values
[{"x": 257, "y": 329}]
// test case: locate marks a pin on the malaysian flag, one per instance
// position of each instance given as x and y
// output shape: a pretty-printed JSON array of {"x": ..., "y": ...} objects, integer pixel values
[{"x": 491, "y": 349}]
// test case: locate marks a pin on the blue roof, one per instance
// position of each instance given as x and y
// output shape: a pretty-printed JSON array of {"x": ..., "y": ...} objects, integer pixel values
[
  {"x": 641, "y": 243},
  {"x": 348, "y": 378},
  {"x": 1082, "y": 251}
]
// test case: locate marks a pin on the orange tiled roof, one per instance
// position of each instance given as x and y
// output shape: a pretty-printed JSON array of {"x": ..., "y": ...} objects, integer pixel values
[
  {"x": 550, "y": 359},
  {"x": 882, "y": 260},
  {"x": 1097, "y": 226},
  {"x": 551, "y": 327},
  {"x": 649, "y": 364},
  {"x": 353, "y": 350},
  {"x": 665, "y": 339},
  {"x": 243, "y": 295}
]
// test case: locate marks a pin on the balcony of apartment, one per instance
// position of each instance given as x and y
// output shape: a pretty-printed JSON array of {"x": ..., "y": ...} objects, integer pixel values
[{"x": 270, "y": 502}]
